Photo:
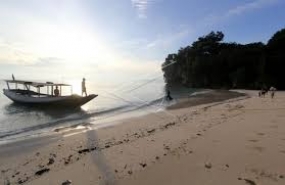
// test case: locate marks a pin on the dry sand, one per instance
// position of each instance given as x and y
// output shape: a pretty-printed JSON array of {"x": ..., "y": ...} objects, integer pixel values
[{"x": 236, "y": 141}]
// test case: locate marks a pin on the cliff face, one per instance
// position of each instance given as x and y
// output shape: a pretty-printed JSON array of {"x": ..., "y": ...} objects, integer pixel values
[{"x": 211, "y": 63}]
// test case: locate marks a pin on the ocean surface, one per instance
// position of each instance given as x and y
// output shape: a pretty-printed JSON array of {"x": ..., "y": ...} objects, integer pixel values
[{"x": 116, "y": 102}]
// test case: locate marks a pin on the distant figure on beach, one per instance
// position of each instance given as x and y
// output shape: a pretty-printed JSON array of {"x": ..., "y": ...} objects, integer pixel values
[
  {"x": 13, "y": 77},
  {"x": 272, "y": 91},
  {"x": 56, "y": 91},
  {"x": 83, "y": 86},
  {"x": 168, "y": 96},
  {"x": 262, "y": 92}
]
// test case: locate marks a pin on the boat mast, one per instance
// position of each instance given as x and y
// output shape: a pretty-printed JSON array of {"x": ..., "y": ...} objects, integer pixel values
[
  {"x": 39, "y": 90},
  {"x": 8, "y": 86}
]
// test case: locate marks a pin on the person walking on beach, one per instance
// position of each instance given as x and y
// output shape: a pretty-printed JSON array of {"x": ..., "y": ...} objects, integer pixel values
[
  {"x": 272, "y": 91},
  {"x": 168, "y": 96},
  {"x": 83, "y": 87}
]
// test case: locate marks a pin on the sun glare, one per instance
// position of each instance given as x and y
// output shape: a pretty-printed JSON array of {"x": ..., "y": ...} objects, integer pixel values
[
  {"x": 72, "y": 44},
  {"x": 76, "y": 86}
]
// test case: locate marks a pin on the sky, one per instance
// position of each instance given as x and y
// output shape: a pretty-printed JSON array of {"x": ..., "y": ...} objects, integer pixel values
[{"x": 120, "y": 40}]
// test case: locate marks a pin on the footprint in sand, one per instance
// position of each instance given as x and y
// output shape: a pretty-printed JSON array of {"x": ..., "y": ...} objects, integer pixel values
[
  {"x": 258, "y": 148},
  {"x": 260, "y": 134},
  {"x": 273, "y": 126},
  {"x": 253, "y": 140}
]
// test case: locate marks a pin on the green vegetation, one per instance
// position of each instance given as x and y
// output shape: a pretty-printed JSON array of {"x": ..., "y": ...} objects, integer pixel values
[{"x": 211, "y": 63}]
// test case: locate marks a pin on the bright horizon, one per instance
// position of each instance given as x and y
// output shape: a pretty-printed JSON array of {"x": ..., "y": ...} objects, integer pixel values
[{"x": 117, "y": 41}]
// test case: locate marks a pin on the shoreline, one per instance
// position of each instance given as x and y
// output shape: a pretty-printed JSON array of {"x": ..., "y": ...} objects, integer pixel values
[
  {"x": 203, "y": 97},
  {"x": 76, "y": 149}
]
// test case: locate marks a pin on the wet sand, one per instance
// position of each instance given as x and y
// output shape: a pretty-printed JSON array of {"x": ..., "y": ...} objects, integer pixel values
[{"x": 240, "y": 140}]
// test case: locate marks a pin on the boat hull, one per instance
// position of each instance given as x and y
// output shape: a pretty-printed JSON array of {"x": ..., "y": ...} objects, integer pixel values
[{"x": 60, "y": 101}]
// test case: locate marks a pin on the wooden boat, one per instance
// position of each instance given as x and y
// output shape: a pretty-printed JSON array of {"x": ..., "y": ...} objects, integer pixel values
[{"x": 24, "y": 92}]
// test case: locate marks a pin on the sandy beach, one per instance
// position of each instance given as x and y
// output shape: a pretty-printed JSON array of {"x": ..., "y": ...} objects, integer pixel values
[{"x": 224, "y": 138}]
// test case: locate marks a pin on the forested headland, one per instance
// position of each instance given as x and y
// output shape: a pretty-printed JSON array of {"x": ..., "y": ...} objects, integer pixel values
[{"x": 211, "y": 63}]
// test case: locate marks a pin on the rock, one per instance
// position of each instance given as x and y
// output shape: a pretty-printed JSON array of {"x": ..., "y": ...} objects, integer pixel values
[
  {"x": 130, "y": 172},
  {"x": 116, "y": 171},
  {"x": 239, "y": 179},
  {"x": 227, "y": 166},
  {"x": 281, "y": 176},
  {"x": 156, "y": 157},
  {"x": 42, "y": 171},
  {"x": 67, "y": 182},
  {"x": 107, "y": 146}
]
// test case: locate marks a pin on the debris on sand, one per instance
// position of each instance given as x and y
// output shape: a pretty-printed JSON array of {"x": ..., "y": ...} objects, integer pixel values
[
  {"x": 67, "y": 182},
  {"x": 86, "y": 150},
  {"x": 250, "y": 182},
  {"x": 42, "y": 171},
  {"x": 151, "y": 131},
  {"x": 22, "y": 181},
  {"x": 143, "y": 165},
  {"x": 169, "y": 124},
  {"x": 208, "y": 165},
  {"x": 50, "y": 161}
]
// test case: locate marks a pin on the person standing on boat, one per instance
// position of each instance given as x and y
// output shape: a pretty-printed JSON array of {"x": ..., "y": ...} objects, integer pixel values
[
  {"x": 56, "y": 91},
  {"x": 83, "y": 87}
]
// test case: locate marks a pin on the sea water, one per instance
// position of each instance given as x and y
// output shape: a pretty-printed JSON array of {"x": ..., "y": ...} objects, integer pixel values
[{"x": 115, "y": 102}]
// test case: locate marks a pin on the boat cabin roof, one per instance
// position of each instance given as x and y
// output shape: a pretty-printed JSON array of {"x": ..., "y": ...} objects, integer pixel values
[{"x": 36, "y": 84}]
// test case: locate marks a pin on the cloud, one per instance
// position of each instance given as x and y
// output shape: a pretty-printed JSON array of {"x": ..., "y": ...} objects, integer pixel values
[
  {"x": 13, "y": 54},
  {"x": 141, "y": 6},
  {"x": 239, "y": 10},
  {"x": 250, "y": 6}
]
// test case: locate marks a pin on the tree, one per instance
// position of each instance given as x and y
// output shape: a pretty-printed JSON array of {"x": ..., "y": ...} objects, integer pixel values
[{"x": 211, "y": 63}]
